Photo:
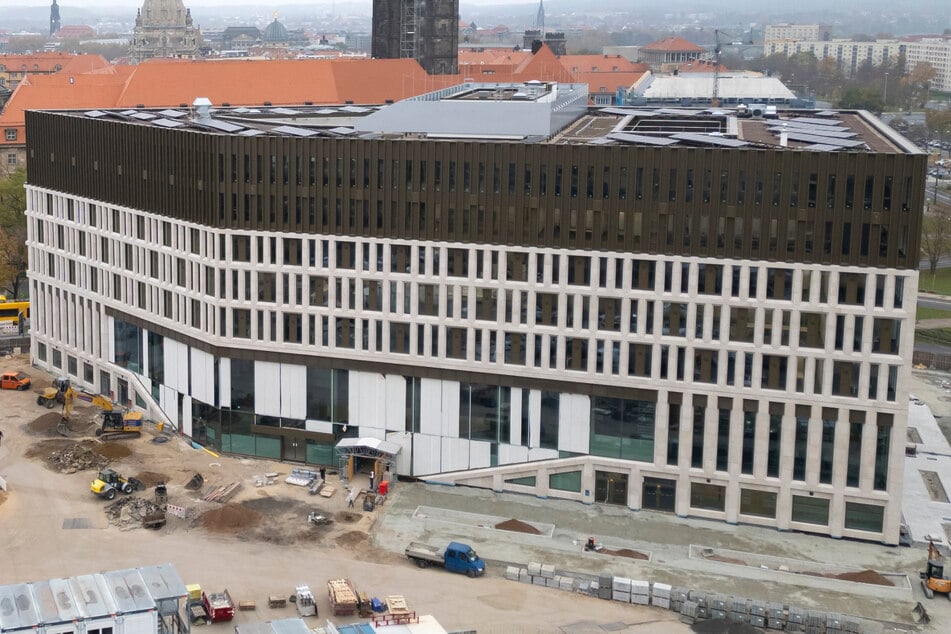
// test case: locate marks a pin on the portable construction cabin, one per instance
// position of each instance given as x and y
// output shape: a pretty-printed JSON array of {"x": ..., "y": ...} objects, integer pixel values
[{"x": 148, "y": 600}]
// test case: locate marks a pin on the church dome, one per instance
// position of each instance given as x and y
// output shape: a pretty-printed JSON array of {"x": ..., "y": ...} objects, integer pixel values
[{"x": 275, "y": 32}]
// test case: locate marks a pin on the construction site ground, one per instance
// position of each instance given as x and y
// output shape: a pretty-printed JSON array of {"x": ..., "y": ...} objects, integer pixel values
[{"x": 257, "y": 542}]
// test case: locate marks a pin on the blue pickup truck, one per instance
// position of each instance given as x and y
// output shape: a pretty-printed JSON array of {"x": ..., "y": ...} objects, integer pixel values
[{"x": 456, "y": 557}]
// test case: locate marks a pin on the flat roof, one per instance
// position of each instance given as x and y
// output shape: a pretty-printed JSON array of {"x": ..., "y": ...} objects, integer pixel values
[{"x": 543, "y": 113}]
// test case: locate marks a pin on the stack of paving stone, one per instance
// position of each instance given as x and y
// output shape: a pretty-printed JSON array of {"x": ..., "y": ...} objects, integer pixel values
[
  {"x": 689, "y": 612},
  {"x": 621, "y": 589},
  {"x": 677, "y": 598},
  {"x": 640, "y": 592},
  {"x": 719, "y": 605},
  {"x": 660, "y": 595},
  {"x": 700, "y": 598},
  {"x": 796, "y": 620},
  {"x": 814, "y": 621},
  {"x": 758, "y": 613},
  {"x": 605, "y": 583},
  {"x": 540, "y": 575},
  {"x": 739, "y": 610},
  {"x": 775, "y": 616}
]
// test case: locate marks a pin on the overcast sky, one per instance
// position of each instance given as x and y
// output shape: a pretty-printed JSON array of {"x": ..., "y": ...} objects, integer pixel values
[{"x": 194, "y": 4}]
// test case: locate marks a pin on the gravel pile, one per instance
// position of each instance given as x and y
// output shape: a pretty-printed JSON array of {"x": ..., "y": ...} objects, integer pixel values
[
  {"x": 127, "y": 512},
  {"x": 76, "y": 458}
]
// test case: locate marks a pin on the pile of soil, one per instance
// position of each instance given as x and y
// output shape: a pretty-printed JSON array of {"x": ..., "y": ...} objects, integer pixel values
[
  {"x": 113, "y": 450},
  {"x": 625, "y": 552},
  {"x": 866, "y": 576},
  {"x": 517, "y": 526},
  {"x": 347, "y": 516},
  {"x": 230, "y": 518},
  {"x": 150, "y": 478},
  {"x": 45, "y": 425},
  {"x": 726, "y": 560},
  {"x": 353, "y": 540}
]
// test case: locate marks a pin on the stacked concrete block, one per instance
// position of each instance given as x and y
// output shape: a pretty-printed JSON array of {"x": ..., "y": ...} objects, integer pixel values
[
  {"x": 552, "y": 582},
  {"x": 660, "y": 595},
  {"x": 566, "y": 583},
  {"x": 523, "y": 576},
  {"x": 833, "y": 622},
  {"x": 739, "y": 610},
  {"x": 621, "y": 589},
  {"x": 604, "y": 586},
  {"x": 593, "y": 588},
  {"x": 677, "y": 598},
  {"x": 851, "y": 625},
  {"x": 775, "y": 616},
  {"x": 719, "y": 606},
  {"x": 534, "y": 569},
  {"x": 757, "y": 610},
  {"x": 689, "y": 612},
  {"x": 700, "y": 598},
  {"x": 640, "y": 592},
  {"x": 814, "y": 620},
  {"x": 548, "y": 571},
  {"x": 511, "y": 573},
  {"x": 796, "y": 620}
]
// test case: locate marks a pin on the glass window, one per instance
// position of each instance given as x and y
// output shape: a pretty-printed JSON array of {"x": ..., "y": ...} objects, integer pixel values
[
  {"x": 707, "y": 496},
  {"x": 622, "y": 428},
  {"x": 328, "y": 395},
  {"x": 570, "y": 481},
  {"x": 758, "y": 503},
  {"x": 810, "y": 510},
  {"x": 549, "y": 421},
  {"x": 864, "y": 517},
  {"x": 128, "y": 346}
]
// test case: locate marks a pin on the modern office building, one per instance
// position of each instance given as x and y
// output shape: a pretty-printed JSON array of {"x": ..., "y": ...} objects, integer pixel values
[
  {"x": 702, "y": 313},
  {"x": 424, "y": 30}
]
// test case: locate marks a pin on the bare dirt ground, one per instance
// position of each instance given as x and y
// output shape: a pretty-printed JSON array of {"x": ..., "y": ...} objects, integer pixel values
[{"x": 256, "y": 543}]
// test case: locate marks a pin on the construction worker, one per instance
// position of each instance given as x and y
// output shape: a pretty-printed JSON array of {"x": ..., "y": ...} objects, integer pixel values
[{"x": 1, "y": 436}]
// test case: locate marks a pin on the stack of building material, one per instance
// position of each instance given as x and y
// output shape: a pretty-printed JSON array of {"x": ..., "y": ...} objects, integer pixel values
[
  {"x": 511, "y": 573},
  {"x": 523, "y": 576},
  {"x": 535, "y": 573},
  {"x": 593, "y": 588},
  {"x": 700, "y": 598},
  {"x": 719, "y": 606},
  {"x": 796, "y": 619},
  {"x": 689, "y": 612},
  {"x": 640, "y": 592},
  {"x": 775, "y": 616},
  {"x": 757, "y": 613},
  {"x": 677, "y": 598},
  {"x": 565, "y": 583},
  {"x": 343, "y": 598},
  {"x": 621, "y": 589},
  {"x": 605, "y": 581},
  {"x": 660, "y": 595},
  {"x": 548, "y": 574},
  {"x": 739, "y": 610},
  {"x": 833, "y": 622}
]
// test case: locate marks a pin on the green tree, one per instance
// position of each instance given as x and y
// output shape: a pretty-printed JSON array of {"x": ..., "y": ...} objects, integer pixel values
[
  {"x": 861, "y": 98},
  {"x": 935, "y": 236},
  {"x": 13, "y": 252}
]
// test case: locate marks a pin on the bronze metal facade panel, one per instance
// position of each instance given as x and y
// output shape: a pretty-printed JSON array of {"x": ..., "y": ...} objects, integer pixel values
[{"x": 847, "y": 208}]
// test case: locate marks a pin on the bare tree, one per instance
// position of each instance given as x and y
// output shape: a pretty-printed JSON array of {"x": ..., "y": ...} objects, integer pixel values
[
  {"x": 935, "y": 236},
  {"x": 13, "y": 260}
]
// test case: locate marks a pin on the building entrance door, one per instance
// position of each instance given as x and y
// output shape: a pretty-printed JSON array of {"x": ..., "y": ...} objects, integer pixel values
[
  {"x": 659, "y": 494},
  {"x": 293, "y": 449},
  {"x": 610, "y": 488}
]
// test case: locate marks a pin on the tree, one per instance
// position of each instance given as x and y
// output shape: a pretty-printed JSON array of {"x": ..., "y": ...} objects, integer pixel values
[
  {"x": 935, "y": 236},
  {"x": 13, "y": 252}
]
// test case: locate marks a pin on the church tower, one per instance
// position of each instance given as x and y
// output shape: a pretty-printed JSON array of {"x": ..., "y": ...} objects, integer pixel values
[
  {"x": 163, "y": 28},
  {"x": 54, "y": 18}
]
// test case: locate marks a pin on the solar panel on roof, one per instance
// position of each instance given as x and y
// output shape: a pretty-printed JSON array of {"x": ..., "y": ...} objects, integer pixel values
[
  {"x": 355, "y": 109},
  {"x": 284, "y": 111},
  {"x": 342, "y": 130},
  {"x": 819, "y": 147},
  {"x": 808, "y": 126},
  {"x": 173, "y": 114},
  {"x": 167, "y": 123},
  {"x": 706, "y": 139},
  {"x": 832, "y": 134},
  {"x": 823, "y": 140},
  {"x": 95, "y": 114},
  {"x": 217, "y": 124},
  {"x": 251, "y": 132},
  {"x": 326, "y": 111},
  {"x": 620, "y": 111},
  {"x": 640, "y": 138},
  {"x": 293, "y": 131},
  {"x": 127, "y": 113},
  {"x": 826, "y": 113},
  {"x": 142, "y": 116},
  {"x": 816, "y": 120}
]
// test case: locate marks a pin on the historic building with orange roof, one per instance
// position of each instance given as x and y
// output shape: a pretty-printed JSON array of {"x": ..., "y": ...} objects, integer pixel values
[
  {"x": 14, "y": 67},
  {"x": 669, "y": 50},
  {"x": 171, "y": 83}
]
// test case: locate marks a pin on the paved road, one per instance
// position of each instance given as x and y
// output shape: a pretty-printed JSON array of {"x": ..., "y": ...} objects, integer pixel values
[{"x": 934, "y": 301}]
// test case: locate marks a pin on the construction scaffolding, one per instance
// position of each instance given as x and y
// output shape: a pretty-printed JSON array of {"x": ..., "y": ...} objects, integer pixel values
[{"x": 409, "y": 29}]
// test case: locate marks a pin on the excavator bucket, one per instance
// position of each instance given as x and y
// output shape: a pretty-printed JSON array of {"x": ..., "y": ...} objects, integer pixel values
[
  {"x": 195, "y": 483},
  {"x": 921, "y": 614}
]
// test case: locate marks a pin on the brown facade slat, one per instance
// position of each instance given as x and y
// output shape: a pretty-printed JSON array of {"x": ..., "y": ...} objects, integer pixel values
[{"x": 191, "y": 176}]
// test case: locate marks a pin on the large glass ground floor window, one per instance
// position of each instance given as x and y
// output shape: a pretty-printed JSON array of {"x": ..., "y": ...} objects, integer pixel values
[{"x": 622, "y": 428}]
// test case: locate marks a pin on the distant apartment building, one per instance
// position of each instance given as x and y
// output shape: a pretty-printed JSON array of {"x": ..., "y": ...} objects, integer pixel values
[
  {"x": 849, "y": 55},
  {"x": 796, "y": 32},
  {"x": 935, "y": 50}
]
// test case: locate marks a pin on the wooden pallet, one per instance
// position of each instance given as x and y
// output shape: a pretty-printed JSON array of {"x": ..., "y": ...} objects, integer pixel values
[
  {"x": 222, "y": 493},
  {"x": 247, "y": 605},
  {"x": 276, "y": 601}
]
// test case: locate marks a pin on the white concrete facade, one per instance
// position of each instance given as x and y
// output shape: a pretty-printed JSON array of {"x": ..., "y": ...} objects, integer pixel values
[{"x": 771, "y": 377}]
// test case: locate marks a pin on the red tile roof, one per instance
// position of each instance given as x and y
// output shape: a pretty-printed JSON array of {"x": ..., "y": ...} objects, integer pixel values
[
  {"x": 672, "y": 44},
  {"x": 47, "y": 62}
]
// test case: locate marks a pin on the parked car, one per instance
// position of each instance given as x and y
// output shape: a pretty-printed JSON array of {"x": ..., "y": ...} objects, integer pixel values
[{"x": 14, "y": 381}]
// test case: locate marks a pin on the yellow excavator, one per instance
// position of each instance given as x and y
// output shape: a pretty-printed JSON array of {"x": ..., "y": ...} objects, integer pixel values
[
  {"x": 115, "y": 424},
  {"x": 933, "y": 579}
]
